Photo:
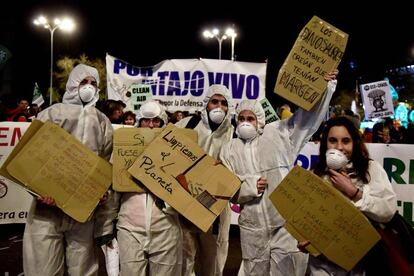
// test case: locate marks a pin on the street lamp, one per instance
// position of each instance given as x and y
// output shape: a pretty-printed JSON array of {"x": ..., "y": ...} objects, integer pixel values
[
  {"x": 65, "y": 24},
  {"x": 215, "y": 33},
  {"x": 230, "y": 32}
]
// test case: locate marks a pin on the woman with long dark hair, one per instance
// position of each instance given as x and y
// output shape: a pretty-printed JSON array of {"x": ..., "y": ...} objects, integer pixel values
[{"x": 345, "y": 162}]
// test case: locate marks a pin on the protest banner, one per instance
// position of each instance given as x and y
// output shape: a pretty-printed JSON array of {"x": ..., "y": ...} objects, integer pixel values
[{"x": 181, "y": 84}]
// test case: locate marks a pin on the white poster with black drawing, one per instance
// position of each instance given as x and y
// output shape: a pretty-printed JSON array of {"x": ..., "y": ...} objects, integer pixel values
[{"x": 377, "y": 99}]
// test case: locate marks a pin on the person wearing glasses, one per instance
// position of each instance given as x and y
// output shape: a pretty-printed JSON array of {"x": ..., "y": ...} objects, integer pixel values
[
  {"x": 149, "y": 232},
  {"x": 214, "y": 128}
]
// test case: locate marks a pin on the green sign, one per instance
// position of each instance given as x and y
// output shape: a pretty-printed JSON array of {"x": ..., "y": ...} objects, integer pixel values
[
  {"x": 140, "y": 93},
  {"x": 270, "y": 113}
]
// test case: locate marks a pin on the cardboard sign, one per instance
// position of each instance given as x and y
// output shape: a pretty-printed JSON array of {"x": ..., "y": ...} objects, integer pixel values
[
  {"x": 377, "y": 100},
  {"x": 317, "y": 51},
  {"x": 129, "y": 143},
  {"x": 314, "y": 210},
  {"x": 50, "y": 162},
  {"x": 178, "y": 171}
]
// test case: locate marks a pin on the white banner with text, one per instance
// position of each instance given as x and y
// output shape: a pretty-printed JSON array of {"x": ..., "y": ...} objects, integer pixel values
[{"x": 181, "y": 84}]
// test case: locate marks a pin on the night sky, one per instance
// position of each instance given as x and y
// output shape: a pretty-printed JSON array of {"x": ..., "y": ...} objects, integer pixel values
[{"x": 146, "y": 33}]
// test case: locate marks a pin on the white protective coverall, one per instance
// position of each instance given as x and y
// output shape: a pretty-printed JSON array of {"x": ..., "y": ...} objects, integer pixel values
[
  {"x": 378, "y": 202},
  {"x": 211, "y": 250},
  {"x": 267, "y": 248},
  {"x": 149, "y": 232},
  {"x": 54, "y": 243}
]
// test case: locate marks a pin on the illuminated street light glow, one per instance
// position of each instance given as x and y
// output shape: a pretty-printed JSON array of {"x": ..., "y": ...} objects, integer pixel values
[
  {"x": 215, "y": 33},
  {"x": 230, "y": 32},
  {"x": 65, "y": 24}
]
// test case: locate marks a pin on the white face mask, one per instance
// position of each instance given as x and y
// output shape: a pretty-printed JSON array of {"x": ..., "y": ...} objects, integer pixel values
[
  {"x": 335, "y": 159},
  {"x": 246, "y": 131},
  {"x": 87, "y": 93},
  {"x": 217, "y": 115}
]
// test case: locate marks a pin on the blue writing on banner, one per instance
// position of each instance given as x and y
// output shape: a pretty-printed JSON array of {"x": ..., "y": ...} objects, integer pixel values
[
  {"x": 174, "y": 86},
  {"x": 303, "y": 161},
  {"x": 131, "y": 70},
  {"x": 237, "y": 83},
  {"x": 197, "y": 83},
  {"x": 170, "y": 83}
]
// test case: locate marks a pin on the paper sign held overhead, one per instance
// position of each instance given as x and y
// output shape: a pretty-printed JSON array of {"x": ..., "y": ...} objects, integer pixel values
[
  {"x": 178, "y": 171},
  {"x": 51, "y": 162},
  {"x": 314, "y": 210},
  {"x": 317, "y": 51}
]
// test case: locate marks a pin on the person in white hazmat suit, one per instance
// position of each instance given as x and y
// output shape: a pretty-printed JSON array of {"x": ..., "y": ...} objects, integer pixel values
[
  {"x": 214, "y": 128},
  {"x": 261, "y": 157},
  {"x": 54, "y": 243},
  {"x": 149, "y": 231}
]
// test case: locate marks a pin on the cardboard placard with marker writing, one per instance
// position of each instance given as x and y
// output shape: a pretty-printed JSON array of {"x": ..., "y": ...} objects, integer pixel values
[
  {"x": 48, "y": 161},
  {"x": 129, "y": 143},
  {"x": 316, "y": 211},
  {"x": 318, "y": 50},
  {"x": 178, "y": 171}
]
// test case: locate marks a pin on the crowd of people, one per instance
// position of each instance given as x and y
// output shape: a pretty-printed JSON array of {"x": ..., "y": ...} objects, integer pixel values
[
  {"x": 153, "y": 238},
  {"x": 24, "y": 112},
  {"x": 384, "y": 130},
  {"x": 114, "y": 110}
]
